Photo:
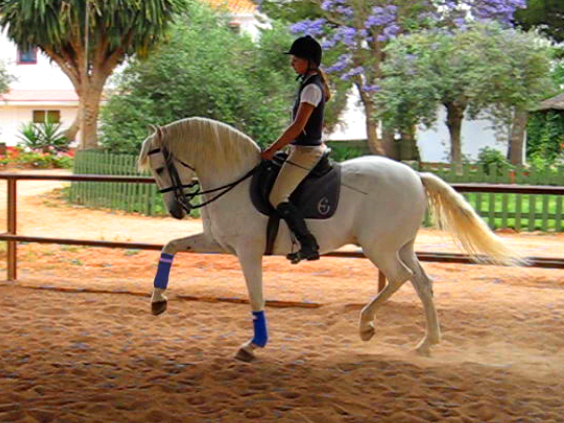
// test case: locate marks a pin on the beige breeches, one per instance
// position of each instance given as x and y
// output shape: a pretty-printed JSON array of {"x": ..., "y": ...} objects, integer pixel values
[{"x": 301, "y": 161}]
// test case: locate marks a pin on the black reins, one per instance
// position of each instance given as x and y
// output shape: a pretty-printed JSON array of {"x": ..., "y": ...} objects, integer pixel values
[{"x": 178, "y": 188}]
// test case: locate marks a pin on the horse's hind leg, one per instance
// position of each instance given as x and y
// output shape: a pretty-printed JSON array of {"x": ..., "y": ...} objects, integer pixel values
[
  {"x": 396, "y": 273},
  {"x": 424, "y": 287}
]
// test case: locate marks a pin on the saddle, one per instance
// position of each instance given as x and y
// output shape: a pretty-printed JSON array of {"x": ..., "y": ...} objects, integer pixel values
[{"x": 316, "y": 197}]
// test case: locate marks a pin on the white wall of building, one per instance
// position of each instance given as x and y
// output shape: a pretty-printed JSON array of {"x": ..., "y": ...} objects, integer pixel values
[
  {"x": 13, "y": 117},
  {"x": 43, "y": 75},
  {"x": 434, "y": 144}
]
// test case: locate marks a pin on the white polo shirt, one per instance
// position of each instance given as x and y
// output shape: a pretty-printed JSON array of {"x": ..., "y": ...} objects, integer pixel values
[{"x": 311, "y": 94}]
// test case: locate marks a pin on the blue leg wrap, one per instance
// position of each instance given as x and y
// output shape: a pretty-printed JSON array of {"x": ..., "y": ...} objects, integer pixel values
[
  {"x": 259, "y": 326},
  {"x": 161, "y": 278}
]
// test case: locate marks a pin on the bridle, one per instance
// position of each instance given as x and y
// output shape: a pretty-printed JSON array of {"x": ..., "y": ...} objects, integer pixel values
[{"x": 178, "y": 187}]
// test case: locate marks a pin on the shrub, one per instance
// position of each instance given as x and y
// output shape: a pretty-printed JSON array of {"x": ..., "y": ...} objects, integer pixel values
[
  {"x": 20, "y": 156},
  {"x": 545, "y": 135},
  {"x": 222, "y": 75},
  {"x": 45, "y": 160},
  {"x": 46, "y": 137},
  {"x": 490, "y": 156}
]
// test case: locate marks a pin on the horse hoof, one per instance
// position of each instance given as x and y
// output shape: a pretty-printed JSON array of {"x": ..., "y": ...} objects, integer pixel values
[
  {"x": 158, "y": 308},
  {"x": 423, "y": 351},
  {"x": 366, "y": 334},
  {"x": 244, "y": 355}
]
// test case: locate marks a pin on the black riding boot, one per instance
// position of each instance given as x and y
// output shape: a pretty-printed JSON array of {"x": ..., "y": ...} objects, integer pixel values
[{"x": 309, "y": 250}]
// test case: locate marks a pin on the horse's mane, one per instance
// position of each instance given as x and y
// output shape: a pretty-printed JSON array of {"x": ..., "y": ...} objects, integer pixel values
[{"x": 205, "y": 141}]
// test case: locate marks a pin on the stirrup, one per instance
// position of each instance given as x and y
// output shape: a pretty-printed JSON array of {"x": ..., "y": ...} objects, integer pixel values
[{"x": 298, "y": 256}]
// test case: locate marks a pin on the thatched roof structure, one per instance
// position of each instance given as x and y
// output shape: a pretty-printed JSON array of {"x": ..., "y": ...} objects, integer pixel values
[{"x": 554, "y": 103}]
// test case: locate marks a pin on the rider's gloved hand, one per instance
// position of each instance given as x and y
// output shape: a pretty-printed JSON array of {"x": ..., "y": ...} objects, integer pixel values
[{"x": 267, "y": 154}]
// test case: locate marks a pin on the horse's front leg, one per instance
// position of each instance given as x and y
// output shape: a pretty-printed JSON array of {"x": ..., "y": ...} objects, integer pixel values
[
  {"x": 251, "y": 264},
  {"x": 199, "y": 243}
]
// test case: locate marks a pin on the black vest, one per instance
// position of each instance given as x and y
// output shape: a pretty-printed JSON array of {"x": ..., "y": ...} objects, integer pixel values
[{"x": 312, "y": 133}]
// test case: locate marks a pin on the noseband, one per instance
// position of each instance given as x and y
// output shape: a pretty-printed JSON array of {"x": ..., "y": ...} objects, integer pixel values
[{"x": 178, "y": 187}]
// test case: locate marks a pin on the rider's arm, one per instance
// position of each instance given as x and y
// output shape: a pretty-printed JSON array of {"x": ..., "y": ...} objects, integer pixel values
[{"x": 290, "y": 134}]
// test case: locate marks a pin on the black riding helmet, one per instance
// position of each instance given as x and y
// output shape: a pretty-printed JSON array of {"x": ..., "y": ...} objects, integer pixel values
[{"x": 307, "y": 48}]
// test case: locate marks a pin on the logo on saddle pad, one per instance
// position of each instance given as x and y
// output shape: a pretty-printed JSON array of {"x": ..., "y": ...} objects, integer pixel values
[
  {"x": 316, "y": 197},
  {"x": 324, "y": 207}
]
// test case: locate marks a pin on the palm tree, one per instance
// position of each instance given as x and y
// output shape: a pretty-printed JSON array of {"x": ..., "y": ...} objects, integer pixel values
[{"x": 88, "y": 40}]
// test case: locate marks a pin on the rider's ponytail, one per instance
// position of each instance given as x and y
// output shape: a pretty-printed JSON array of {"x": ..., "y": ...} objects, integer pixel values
[{"x": 325, "y": 80}]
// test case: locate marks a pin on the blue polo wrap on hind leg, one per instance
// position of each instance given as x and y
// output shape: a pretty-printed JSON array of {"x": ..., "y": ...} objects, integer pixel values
[
  {"x": 161, "y": 278},
  {"x": 259, "y": 326}
]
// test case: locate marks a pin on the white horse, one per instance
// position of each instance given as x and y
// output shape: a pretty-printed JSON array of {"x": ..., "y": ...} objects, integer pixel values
[{"x": 381, "y": 208}]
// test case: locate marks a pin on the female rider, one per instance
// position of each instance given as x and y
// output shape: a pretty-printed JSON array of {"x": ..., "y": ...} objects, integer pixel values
[{"x": 305, "y": 136}]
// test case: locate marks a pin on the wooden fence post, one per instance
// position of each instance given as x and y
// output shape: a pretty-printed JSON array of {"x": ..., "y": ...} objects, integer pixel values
[{"x": 12, "y": 230}]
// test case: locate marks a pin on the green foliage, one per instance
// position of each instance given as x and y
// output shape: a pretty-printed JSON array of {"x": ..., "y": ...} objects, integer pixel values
[
  {"x": 290, "y": 11},
  {"x": 546, "y": 15},
  {"x": 19, "y": 156},
  {"x": 545, "y": 135},
  {"x": 204, "y": 69},
  {"x": 125, "y": 26},
  {"x": 45, "y": 137},
  {"x": 490, "y": 69},
  {"x": 488, "y": 157},
  {"x": 558, "y": 72},
  {"x": 5, "y": 78},
  {"x": 44, "y": 160},
  {"x": 345, "y": 150}
]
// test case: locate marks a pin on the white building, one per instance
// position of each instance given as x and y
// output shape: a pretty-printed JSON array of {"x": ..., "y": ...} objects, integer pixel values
[{"x": 40, "y": 91}]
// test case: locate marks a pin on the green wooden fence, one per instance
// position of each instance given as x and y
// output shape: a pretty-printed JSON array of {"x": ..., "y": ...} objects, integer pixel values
[
  {"x": 519, "y": 211},
  {"x": 140, "y": 198}
]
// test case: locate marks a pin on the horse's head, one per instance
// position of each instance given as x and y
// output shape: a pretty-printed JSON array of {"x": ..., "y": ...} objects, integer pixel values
[{"x": 172, "y": 176}]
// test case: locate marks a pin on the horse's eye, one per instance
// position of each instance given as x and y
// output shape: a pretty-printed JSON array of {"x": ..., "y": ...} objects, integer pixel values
[{"x": 160, "y": 170}]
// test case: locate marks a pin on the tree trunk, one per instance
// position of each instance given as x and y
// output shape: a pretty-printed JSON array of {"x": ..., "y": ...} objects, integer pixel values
[
  {"x": 517, "y": 139},
  {"x": 89, "y": 109},
  {"x": 88, "y": 82},
  {"x": 389, "y": 143},
  {"x": 408, "y": 149},
  {"x": 374, "y": 143},
  {"x": 72, "y": 130},
  {"x": 455, "y": 115}
]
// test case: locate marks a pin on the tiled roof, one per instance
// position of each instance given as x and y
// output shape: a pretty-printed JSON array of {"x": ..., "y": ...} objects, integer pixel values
[
  {"x": 235, "y": 6},
  {"x": 554, "y": 103},
  {"x": 40, "y": 95}
]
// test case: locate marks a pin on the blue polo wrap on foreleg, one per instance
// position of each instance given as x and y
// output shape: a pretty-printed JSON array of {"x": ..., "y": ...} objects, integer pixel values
[
  {"x": 161, "y": 278},
  {"x": 259, "y": 326}
]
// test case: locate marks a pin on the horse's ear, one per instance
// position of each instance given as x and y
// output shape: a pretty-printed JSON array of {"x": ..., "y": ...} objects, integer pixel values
[
  {"x": 157, "y": 132},
  {"x": 159, "y": 135}
]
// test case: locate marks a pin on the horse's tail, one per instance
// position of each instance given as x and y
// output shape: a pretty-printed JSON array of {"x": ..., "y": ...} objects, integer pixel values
[{"x": 453, "y": 213}]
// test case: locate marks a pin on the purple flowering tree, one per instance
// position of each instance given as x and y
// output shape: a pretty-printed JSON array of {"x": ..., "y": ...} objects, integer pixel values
[{"x": 359, "y": 30}]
